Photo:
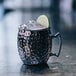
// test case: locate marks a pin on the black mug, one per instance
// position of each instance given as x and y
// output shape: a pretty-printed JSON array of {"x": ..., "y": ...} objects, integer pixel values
[{"x": 34, "y": 46}]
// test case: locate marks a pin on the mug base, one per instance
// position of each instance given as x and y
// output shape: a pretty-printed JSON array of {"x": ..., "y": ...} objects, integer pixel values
[{"x": 43, "y": 63}]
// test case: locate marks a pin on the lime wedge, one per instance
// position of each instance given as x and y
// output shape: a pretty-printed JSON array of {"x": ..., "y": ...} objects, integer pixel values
[{"x": 43, "y": 20}]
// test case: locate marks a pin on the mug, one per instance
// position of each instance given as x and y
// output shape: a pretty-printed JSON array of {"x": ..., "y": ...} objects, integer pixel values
[{"x": 34, "y": 46}]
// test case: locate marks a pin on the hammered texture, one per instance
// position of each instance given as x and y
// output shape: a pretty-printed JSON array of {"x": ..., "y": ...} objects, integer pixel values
[{"x": 34, "y": 46}]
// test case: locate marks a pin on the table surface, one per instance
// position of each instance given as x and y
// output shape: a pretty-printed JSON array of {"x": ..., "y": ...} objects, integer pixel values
[{"x": 64, "y": 65}]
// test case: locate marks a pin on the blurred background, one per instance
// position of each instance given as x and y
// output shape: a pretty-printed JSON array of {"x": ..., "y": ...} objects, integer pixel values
[{"x": 62, "y": 16}]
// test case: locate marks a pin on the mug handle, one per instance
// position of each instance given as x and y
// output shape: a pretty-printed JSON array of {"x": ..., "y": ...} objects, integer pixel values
[{"x": 60, "y": 44}]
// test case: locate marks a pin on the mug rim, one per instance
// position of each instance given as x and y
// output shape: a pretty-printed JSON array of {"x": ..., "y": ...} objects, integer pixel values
[{"x": 38, "y": 30}]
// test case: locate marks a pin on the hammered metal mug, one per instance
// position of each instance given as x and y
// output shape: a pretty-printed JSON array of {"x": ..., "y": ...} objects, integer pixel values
[{"x": 34, "y": 46}]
